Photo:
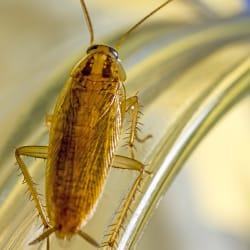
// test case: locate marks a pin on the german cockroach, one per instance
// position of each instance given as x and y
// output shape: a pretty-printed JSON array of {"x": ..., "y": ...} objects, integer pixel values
[{"x": 83, "y": 133}]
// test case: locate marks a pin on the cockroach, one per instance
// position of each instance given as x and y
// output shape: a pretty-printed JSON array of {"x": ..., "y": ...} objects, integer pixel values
[{"x": 84, "y": 129}]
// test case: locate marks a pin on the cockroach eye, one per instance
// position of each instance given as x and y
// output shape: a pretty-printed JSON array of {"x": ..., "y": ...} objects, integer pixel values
[{"x": 114, "y": 52}]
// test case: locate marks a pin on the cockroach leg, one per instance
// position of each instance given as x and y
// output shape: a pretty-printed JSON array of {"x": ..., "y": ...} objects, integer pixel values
[
  {"x": 35, "y": 152},
  {"x": 123, "y": 162},
  {"x": 132, "y": 104}
]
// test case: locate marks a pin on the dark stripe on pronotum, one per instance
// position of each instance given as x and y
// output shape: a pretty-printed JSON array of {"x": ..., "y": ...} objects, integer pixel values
[{"x": 106, "y": 71}]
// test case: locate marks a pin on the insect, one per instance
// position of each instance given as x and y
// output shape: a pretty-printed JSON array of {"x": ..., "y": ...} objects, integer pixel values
[{"x": 83, "y": 133}]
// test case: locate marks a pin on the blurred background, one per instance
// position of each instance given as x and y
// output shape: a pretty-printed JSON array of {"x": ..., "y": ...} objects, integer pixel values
[{"x": 208, "y": 205}]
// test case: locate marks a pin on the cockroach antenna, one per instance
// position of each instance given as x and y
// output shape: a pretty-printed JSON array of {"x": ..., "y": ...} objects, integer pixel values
[
  {"x": 88, "y": 21},
  {"x": 123, "y": 37}
]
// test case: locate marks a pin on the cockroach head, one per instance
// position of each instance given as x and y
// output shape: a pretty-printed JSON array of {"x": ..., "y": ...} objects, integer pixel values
[
  {"x": 100, "y": 48},
  {"x": 103, "y": 60}
]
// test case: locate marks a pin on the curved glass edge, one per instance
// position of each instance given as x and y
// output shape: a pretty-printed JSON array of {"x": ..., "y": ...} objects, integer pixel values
[
  {"x": 190, "y": 126},
  {"x": 171, "y": 156}
]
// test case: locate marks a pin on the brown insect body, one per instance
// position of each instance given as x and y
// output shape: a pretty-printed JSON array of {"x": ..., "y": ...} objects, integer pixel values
[{"x": 84, "y": 131}]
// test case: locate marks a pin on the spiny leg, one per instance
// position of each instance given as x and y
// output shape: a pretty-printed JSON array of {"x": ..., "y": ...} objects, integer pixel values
[
  {"x": 35, "y": 152},
  {"x": 132, "y": 104},
  {"x": 123, "y": 162}
]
